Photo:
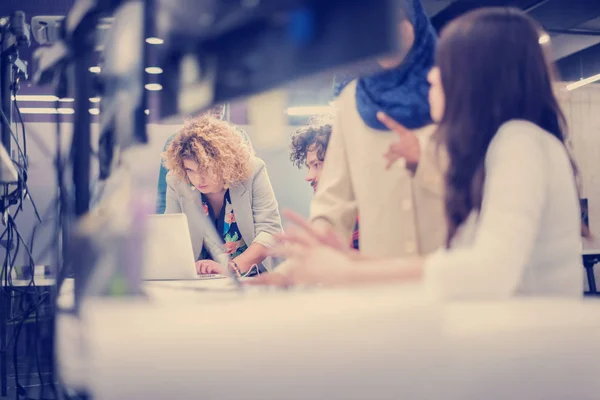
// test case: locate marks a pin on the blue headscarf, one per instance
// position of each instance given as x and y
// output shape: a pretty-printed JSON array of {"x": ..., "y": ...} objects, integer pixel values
[{"x": 402, "y": 92}]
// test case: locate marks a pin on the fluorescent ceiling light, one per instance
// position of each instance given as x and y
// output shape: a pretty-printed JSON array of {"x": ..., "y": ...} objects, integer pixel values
[
  {"x": 31, "y": 97},
  {"x": 49, "y": 98},
  {"x": 154, "y": 40},
  {"x": 94, "y": 111},
  {"x": 583, "y": 82},
  {"x": 95, "y": 70},
  {"x": 147, "y": 112},
  {"x": 154, "y": 70},
  {"x": 153, "y": 87},
  {"x": 544, "y": 38},
  {"x": 308, "y": 110},
  {"x": 35, "y": 110}
]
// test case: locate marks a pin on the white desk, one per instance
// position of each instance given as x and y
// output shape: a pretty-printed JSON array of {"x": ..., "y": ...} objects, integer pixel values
[
  {"x": 169, "y": 291},
  {"x": 377, "y": 343}
]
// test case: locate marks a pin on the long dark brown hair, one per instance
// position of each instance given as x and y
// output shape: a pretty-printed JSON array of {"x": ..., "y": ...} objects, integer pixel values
[{"x": 493, "y": 70}]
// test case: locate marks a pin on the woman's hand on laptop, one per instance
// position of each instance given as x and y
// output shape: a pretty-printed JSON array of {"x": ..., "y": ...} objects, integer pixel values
[{"x": 208, "y": 267}]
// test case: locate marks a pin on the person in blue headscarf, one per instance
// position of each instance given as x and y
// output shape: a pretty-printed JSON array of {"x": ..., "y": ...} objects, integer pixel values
[
  {"x": 161, "y": 202},
  {"x": 380, "y": 118}
]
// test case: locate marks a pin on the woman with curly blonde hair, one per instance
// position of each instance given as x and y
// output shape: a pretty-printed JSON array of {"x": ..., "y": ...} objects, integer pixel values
[{"x": 213, "y": 173}]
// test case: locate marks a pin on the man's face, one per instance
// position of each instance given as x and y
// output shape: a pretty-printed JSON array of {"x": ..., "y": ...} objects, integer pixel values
[{"x": 315, "y": 167}]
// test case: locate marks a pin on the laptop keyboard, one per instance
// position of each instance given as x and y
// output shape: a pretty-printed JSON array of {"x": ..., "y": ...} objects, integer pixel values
[{"x": 210, "y": 276}]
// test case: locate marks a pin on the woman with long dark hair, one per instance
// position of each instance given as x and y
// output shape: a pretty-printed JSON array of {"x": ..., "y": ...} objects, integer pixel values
[{"x": 511, "y": 198}]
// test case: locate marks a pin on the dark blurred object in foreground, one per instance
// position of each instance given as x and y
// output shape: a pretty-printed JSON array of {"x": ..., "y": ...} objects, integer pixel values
[{"x": 239, "y": 50}]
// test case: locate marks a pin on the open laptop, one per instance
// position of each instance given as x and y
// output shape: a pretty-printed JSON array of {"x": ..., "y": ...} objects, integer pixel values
[{"x": 169, "y": 252}]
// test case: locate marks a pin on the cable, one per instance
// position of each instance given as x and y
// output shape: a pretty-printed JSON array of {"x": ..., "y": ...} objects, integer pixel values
[
  {"x": 37, "y": 355},
  {"x": 28, "y": 195},
  {"x": 14, "y": 243},
  {"x": 12, "y": 134},
  {"x": 17, "y": 197},
  {"x": 37, "y": 140},
  {"x": 26, "y": 160},
  {"x": 33, "y": 308},
  {"x": 36, "y": 346},
  {"x": 21, "y": 391},
  {"x": 16, "y": 106}
]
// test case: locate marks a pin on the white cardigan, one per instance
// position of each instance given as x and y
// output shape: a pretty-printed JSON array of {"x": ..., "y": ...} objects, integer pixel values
[{"x": 526, "y": 240}]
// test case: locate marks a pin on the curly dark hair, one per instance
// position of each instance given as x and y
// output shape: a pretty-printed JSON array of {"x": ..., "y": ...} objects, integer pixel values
[{"x": 308, "y": 138}]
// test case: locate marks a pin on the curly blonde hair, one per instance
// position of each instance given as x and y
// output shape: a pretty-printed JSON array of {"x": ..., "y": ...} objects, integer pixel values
[{"x": 214, "y": 145}]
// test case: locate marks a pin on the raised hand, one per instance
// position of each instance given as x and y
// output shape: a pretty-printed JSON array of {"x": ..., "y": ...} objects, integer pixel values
[
  {"x": 407, "y": 146},
  {"x": 312, "y": 257},
  {"x": 327, "y": 238}
]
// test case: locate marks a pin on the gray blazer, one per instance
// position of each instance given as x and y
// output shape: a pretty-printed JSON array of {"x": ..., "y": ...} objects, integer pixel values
[{"x": 254, "y": 203}]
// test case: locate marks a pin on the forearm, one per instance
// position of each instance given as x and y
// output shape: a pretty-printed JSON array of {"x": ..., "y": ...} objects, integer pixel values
[
  {"x": 383, "y": 271},
  {"x": 356, "y": 255},
  {"x": 254, "y": 254}
]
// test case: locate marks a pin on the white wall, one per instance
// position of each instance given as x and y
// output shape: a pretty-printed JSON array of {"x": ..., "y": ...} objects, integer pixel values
[{"x": 582, "y": 111}]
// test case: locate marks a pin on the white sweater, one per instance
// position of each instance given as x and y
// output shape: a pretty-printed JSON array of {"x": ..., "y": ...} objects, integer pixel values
[{"x": 526, "y": 239}]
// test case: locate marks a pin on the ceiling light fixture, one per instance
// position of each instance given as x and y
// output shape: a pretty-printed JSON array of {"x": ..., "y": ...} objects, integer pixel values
[
  {"x": 153, "y": 87},
  {"x": 583, "y": 82},
  {"x": 154, "y": 70},
  {"x": 544, "y": 38},
  {"x": 31, "y": 97},
  {"x": 95, "y": 70},
  {"x": 154, "y": 40},
  {"x": 34, "y": 110},
  {"x": 95, "y": 99}
]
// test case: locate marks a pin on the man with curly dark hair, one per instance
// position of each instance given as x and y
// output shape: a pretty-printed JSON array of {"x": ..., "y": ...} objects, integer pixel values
[{"x": 309, "y": 146}]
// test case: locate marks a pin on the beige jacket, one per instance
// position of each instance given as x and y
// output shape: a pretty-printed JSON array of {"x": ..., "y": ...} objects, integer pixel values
[
  {"x": 401, "y": 214},
  {"x": 254, "y": 203}
]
